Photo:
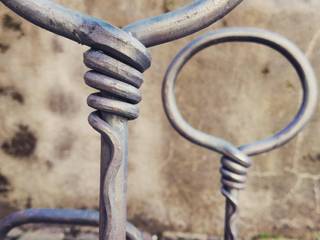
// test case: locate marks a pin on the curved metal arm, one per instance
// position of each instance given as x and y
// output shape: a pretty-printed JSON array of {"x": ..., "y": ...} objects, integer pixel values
[
  {"x": 152, "y": 31},
  {"x": 58, "y": 216}
]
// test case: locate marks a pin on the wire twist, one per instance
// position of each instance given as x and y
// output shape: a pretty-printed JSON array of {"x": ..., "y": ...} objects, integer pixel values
[
  {"x": 118, "y": 82},
  {"x": 234, "y": 170}
]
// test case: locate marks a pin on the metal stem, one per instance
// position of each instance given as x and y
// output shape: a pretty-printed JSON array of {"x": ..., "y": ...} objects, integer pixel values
[
  {"x": 116, "y": 223},
  {"x": 230, "y": 230}
]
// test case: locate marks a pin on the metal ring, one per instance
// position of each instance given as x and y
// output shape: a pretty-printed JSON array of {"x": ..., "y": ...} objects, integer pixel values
[
  {"x": 273, "y": 40},
  {"x": 151, "y": 31}
]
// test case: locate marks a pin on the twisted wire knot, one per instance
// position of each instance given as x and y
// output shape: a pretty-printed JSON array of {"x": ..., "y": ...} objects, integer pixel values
[
  {"x": 234, "y": 168},
  {"x": 118, "y": 75},
  {"x": 118, "y": 84}
]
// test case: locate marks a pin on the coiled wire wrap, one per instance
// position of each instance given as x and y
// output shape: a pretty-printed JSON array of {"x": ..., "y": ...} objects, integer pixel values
[
  {"x": 235, "y": 161},
  {"x": 234, "y": 170},
  {"x": 118, "y": 78}
]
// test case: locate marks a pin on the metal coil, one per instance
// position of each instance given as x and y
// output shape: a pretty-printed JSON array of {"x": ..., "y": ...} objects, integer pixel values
[
  {"x": 118, "y": 82},
  {"x": 234, "y": 170}
]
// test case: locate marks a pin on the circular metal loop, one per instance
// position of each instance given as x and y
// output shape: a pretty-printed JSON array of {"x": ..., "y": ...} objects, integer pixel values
[{"x": 273, "y": 40}]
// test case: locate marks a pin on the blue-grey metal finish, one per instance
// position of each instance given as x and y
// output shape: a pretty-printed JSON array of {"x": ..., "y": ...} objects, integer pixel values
[
  {"x": 118, "y": 58},
  {"x": 150, "y": 32},
  {"x": 235, "y": 161},
  {"x": 58, "y": 216}
]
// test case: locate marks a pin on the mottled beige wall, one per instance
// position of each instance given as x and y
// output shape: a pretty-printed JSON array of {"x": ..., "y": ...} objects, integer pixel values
[{"x": 50, "y": 156}]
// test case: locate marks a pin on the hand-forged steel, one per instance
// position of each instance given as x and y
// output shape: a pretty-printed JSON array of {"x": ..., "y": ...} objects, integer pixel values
[
  {"x": 117, "y": 59},
  {"x": 152, "y": 31},
  {"x": 235, "y": 161}
]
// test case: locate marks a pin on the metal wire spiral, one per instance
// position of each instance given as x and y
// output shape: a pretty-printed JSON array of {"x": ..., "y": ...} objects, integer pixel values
[
  {"x": 234, "y": 169},
  {"x": 118, "y": 84},
  {"x": 118, "y": 81}
]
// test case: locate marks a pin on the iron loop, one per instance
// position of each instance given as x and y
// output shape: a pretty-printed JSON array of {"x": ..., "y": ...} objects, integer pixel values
[
  {"x": 235, "y": 161},
  {"x": 273, "y": 40}
]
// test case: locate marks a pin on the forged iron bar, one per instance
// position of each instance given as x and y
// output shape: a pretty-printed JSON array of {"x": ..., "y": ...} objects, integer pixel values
[
  {"x": 117, "y": 59},
  {"x": 235, "y": 161},
  {"x": 116, "y": 104}
]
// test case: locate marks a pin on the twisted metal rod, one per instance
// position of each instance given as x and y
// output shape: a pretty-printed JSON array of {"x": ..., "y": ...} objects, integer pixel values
[
  {"x": 118, "y": 60},
  {"x": 235, "y": 161},
  {"x": 118, "y": 83}
]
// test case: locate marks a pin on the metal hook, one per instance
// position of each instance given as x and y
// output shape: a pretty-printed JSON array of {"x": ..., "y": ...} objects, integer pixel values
[{"x": 236, "y": 161}]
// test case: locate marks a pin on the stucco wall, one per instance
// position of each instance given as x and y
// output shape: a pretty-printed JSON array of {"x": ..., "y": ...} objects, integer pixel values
[{"x": 50, "y": 155}]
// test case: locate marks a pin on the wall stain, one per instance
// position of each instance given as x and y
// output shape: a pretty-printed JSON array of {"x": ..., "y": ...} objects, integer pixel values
[
  {"x": 22, "y": 144},
  {"x": 28, "y": 202},
  {"x": 64, "y": 145},
  {"x": 265, "y": 70},
  {"x": 224, "y": 23},
  {"x": 4, "y": 47},
  {"x": 312, "y": 157},
  {"x": 61, "y": 103},
  {"x": 5, "y": 185},
  {"x": 13, "y": 93},
  {"x": 168, "y": 5},
  {"x": 49, "y": 165},
  {"x": 57, "y": 46},
  {"x": 10, "y": 23},
  {"x": 150, "y": 225}
]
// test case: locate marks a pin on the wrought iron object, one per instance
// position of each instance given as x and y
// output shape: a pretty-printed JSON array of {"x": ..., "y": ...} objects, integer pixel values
[
  {"x": 236, "y": 161},
  {"x": 118, "y": 58}
]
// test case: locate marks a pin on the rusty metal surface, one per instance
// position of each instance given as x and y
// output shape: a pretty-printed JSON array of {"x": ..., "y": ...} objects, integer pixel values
[{"x": 236, "y": 161}]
